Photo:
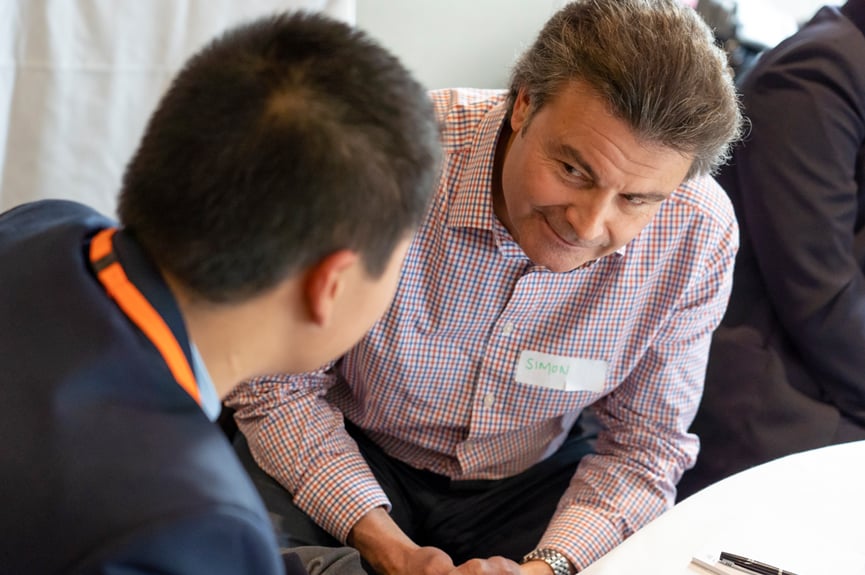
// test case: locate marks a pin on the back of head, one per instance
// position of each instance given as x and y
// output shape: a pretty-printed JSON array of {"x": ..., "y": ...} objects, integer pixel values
[
  {"x": 284, "y": 140},
  {"x": 653, "y": 61}
]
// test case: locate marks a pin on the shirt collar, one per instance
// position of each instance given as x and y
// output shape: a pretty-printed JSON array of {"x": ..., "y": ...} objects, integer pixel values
[
  {"x": 210, "y": 402},
  {"x": 472, "y": 205}
]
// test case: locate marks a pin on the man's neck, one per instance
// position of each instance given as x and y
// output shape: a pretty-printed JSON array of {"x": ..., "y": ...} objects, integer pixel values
[
  {"x": 503, "y": 143},
  {"x": 214, "y": 330}
]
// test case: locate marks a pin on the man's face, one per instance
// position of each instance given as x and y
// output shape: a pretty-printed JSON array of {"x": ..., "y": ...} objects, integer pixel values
[{"x": 577, "y": 185}]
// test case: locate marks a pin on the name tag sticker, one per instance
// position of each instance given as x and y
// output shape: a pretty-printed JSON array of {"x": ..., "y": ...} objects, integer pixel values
[{"x": 561, "y": 372}]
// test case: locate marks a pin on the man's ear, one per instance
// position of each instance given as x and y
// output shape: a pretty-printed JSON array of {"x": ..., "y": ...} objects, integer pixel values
[
  {"x": 324, "y": 282},
  {"x": 521, "y": 111}
]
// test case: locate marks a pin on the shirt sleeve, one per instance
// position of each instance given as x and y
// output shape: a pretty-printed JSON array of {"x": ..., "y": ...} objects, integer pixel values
[
  {"x": 644, "y": 446},
  {"x": 299, "y": 439},
  {"x": 800, "y": 209}
]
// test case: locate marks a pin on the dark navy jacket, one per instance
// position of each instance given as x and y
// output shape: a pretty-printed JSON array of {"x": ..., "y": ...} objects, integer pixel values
[
  {"x": 786, "y": 370},
  {"x": 106, "y": 464}
]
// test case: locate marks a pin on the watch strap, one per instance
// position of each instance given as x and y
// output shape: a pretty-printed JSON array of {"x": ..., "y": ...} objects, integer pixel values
[{"x": 557, "y": 562}]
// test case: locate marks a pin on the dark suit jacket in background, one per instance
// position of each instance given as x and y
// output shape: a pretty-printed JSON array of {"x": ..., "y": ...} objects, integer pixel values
[
  {"x": 786, "y": 371},
  {"x": 106, "y": 465}
]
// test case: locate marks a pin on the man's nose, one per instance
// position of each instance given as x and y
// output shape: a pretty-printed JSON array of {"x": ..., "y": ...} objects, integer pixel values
[{"x": 588, "y": 219}]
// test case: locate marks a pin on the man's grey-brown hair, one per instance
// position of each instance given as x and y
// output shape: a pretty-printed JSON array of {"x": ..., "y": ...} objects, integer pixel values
[{"x": 654, "y": 62}]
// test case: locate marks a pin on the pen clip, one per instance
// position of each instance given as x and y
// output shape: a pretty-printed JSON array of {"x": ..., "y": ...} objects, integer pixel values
[{"x": 751, "y": 566}]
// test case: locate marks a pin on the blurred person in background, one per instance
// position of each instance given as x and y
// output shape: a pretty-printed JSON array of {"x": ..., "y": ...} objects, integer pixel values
[{"x": 787, "y": 369}]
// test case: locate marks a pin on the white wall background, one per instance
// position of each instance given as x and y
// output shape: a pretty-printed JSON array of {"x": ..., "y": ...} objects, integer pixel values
[
  {"x": 450, "y": 43},
  {"x": 79, "y": 78},
  {"x": 801, "y": 10},
  {"x": 770, "y": 21}
]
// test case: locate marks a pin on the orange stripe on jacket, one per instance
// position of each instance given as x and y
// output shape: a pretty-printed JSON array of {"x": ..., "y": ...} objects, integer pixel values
[{"x": 142, "y": 313}]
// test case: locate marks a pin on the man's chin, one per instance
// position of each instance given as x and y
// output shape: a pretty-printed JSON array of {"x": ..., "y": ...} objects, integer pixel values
[
  {"x": 568, "y": 259},
  {"x": 569, "y": 267},
  {"x": 562, "y": 265}
]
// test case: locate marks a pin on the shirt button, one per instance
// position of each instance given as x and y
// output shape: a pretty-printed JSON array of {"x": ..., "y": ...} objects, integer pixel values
[
  {"x": 507, "y": 328},
  {"x": 489, "y": 399}
]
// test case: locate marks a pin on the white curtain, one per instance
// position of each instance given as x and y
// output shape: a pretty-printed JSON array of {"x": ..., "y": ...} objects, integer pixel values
[{"x": 79, "y": 78}]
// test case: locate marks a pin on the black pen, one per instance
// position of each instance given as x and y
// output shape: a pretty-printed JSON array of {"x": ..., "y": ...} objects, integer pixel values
[{"x": 751, "y": 565}]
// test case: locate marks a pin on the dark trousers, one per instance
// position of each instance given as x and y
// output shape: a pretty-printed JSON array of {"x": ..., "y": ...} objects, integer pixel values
[{"x": 466, "y": 519}]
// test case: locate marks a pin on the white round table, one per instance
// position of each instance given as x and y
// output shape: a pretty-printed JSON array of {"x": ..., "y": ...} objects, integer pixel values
[{"x": 804, "y": 513}]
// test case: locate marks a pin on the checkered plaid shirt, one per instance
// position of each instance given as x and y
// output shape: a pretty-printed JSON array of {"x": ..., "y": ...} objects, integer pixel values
[{"x": 435, "y": 383}]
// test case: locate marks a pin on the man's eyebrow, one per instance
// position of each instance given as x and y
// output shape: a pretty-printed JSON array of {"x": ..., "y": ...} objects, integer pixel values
[{"x": 649, "y": 196}]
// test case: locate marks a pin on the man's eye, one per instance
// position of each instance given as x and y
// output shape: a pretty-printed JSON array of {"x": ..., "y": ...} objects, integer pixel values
[
  {"x": 572, "y": 171},
  {"x": 636, "y": 200}
]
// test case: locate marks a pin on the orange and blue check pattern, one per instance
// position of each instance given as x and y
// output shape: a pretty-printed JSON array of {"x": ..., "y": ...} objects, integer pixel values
[{"x": 434, "y": 382}]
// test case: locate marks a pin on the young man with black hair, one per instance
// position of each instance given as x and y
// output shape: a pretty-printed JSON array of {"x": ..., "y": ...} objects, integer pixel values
[{"x": 263, "y": 222}]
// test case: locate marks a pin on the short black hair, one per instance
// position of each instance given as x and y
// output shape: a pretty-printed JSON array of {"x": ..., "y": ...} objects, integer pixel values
[{"x": 282, "y": 141}]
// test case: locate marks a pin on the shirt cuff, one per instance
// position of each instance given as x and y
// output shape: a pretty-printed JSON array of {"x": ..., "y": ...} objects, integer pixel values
[
  {"x": 340, "y": 493},
  {"x": 582, "y": 535}
]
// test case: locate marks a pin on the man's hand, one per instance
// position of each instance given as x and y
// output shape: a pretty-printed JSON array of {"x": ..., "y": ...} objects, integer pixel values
[
  {"x": 391, "y": 552},
  {"x": 428, "y": 561},
  {"x": 491, "y": 566},
  {"x": 536, "y": 568},
  {"x": 501, "y": 566}
]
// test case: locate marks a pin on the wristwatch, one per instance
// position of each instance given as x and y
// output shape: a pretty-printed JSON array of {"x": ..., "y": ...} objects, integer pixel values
[{"x": 557, "y": 562}]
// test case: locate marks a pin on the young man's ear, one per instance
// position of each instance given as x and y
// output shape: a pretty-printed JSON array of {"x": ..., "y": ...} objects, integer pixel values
[{"x": 324, "y": 282}]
